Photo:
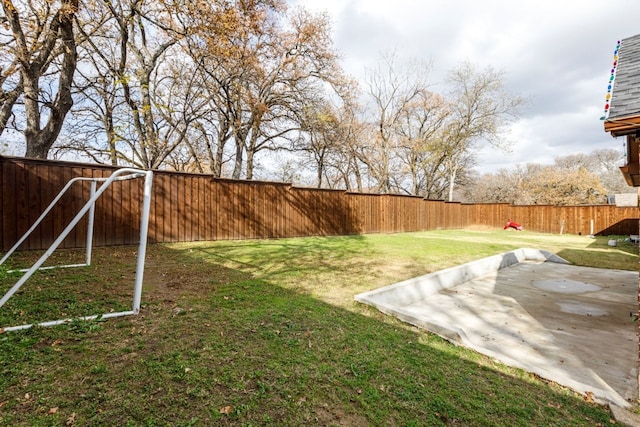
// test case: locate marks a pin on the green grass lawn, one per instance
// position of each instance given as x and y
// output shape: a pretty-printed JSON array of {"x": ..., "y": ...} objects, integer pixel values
[{"x": 254, "y": 333}]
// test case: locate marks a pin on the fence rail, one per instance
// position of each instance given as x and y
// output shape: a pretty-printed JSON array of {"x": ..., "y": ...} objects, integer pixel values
[{"x": 190, "y": 207}]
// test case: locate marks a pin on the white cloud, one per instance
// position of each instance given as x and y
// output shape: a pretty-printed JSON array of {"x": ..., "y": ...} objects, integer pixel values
[{"x": 557, "y": 54}]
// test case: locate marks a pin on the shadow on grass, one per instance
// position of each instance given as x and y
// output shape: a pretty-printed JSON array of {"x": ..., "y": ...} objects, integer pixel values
[
  {"x": 599, "y": 254},
  {"x": 213, "y": 345},
  {"x": 625, "y": 227}
]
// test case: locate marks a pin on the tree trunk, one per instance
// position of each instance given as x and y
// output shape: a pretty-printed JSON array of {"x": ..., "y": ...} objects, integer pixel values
[
  {"x": 452, "y": 180},
  {"x": 237, "y": 167},
  {"x": 111, "y": 134},
  {"x": 150, "y": 138},
  {"x": 320, "y": 168},
  {"x": 40, "y": 139},
  {"x": 217, "y": 163},
  {"x": 250, "y": 165},
  {"x": 356, "y": 171}
]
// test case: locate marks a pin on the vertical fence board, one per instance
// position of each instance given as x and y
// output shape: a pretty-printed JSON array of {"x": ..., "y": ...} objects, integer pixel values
[
  {"x": 21, "y": 202},
  {"x": 104, "y": 222},
  {"x": 165, "y": 207},
  {"x": 34, "y": 208},
  {"x": 47, "y": 193},
  {"x": 199, "y": 209},
  {"x": 9, "y": 208},
  {"x": 173, "y": 209},
  {"x": 161, "y": 194},
  {"x": 205, "y": 209}
]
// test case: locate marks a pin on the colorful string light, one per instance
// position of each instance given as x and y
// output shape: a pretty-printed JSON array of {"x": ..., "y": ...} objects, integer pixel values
[{"x": 607, "y": 104}]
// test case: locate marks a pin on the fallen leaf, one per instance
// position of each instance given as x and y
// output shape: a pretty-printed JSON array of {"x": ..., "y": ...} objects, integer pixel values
[
  {"x": 3, "y": 403},
  {"x": 72, "y": 419},
  {"x": 53, "y": 410},
  {"x": 226, "y": 410},
  {"x": 56, "y": 342}
]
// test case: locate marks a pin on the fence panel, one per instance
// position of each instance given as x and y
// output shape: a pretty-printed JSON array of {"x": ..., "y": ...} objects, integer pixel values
[{"x": 190, "y": 207}]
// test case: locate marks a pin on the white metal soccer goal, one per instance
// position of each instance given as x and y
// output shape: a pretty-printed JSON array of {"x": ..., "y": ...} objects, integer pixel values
[{"x": 89, "y": 207}]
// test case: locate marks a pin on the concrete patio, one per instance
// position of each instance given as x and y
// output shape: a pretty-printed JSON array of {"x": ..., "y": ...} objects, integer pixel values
[{"x": 532, "y": 310}]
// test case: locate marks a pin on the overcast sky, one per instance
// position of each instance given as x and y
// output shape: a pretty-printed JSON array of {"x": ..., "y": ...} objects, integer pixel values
[{"x": 558, "y": 54}]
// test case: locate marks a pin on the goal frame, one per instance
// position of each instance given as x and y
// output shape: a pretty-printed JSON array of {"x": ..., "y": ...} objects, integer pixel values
[{"x": 88, "y": 208}]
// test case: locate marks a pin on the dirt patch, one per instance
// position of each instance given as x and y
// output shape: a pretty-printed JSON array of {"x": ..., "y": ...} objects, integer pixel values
[
  {"x": 327, "y": 416},
  {"x": 169, "y": 275}
]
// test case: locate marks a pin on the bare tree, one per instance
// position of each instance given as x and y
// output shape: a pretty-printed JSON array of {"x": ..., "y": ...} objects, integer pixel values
[
  {"x": 42, "y": 47},
  {"x": 293, "y": 71},
  {"x": 147, "y": 30},
  {"x": 10, "y": 76},
  {"x": 481, "y": 108},
  {"x": 420, "y": 130},
  {"x": 259, "y": 77},
  {"x": 321, "y": 136},
  {"x": 133, "y": 103},
  {"x": 346, "y": 158},
  {"x": 132, "y": 85},
  {"x": 328, "y": 134},
  {"x": 504, "y": 186},
  {"x": 224, "y": 44},
  {"x": 140, "y": 100},
  {"x": 392, "y": 91},
  {"x": 93, "y": 122}
]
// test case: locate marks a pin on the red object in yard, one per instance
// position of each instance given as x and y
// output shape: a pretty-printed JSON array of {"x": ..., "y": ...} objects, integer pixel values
[{"x": 511, "y": 224}]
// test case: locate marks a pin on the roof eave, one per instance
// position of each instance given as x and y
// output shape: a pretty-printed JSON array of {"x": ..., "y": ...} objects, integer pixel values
[{"x": 622, "y": 125}]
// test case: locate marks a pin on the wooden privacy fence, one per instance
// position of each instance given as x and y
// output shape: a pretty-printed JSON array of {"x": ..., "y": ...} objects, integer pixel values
[{"x": 190, "y": 207}]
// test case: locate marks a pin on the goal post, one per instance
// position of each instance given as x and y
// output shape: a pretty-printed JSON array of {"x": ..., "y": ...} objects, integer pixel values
[{"x": 88, "y": 208}]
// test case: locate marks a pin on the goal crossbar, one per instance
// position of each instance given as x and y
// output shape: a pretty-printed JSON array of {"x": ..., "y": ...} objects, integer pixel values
[{"x": 88, "y": 207}]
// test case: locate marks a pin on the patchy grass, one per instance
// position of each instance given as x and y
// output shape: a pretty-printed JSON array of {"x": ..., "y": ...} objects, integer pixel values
[{"x": 267, "y": 333}]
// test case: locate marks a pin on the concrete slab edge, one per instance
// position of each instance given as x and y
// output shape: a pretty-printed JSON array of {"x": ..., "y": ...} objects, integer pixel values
[
  {"x": 418, "y": 288},
  {"x": 625, "y": 417}
]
